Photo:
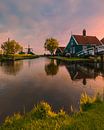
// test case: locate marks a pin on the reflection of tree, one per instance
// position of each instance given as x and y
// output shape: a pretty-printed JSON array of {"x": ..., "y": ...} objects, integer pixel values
[
  {"x": 51, "y": 68},
  {"x": 12, "y": 68}
]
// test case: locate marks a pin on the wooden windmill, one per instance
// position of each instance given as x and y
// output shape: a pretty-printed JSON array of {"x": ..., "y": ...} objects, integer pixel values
[{"x": 29, "y": 50}]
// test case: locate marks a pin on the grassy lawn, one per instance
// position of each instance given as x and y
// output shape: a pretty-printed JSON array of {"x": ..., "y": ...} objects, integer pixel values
[
  {"x": 17, "y": 57},
  {"x": 91, "y": 117},
  {"x": 69, "y": 59}
]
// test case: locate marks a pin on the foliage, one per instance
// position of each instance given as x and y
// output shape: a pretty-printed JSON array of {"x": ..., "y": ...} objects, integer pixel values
[
  {"x": 43, "y": 118},
  {"x": 14, "y": 57},
  {"x": 11, "y": 120},
  {"x": 69, "y": 59},
  {"x": 97, "y": 98},
  {"x": 11, "y": 47},
  {"x": 42, "y": 110},
  {"x": 87, "y": 101},
  {"x": 51, "y": 45}
]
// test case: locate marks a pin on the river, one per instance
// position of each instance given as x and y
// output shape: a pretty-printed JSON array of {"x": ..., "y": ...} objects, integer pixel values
[{"x": 27, "y": 82}]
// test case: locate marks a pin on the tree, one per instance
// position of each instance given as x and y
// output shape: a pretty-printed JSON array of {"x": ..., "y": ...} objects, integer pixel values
[
  {"x": 51, "y": 45},
  {"x": 11, "y": 47}
]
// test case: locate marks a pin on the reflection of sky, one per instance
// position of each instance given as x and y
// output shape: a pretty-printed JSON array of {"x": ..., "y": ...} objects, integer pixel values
[
  {"x": 32, "y": 21},
  {"x": 31, "y": 85}
]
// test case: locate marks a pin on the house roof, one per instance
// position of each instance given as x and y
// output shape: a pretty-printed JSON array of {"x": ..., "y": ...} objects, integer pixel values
[
  {"x": 83, "y": 40},
  {"x": 61, "y": 48},
  {"x": 102, "y": 40}
]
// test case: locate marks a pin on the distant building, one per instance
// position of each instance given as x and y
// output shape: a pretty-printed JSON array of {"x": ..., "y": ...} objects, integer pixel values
[
  {"x": 59, "y": 51},
  {"x": 82, "y": 42}
]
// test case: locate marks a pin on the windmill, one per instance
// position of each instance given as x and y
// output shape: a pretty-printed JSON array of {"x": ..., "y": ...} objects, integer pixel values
[{"x": 29, "y": 50}]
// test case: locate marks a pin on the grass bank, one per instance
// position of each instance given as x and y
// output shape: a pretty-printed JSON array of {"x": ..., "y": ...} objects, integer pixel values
[
  {"x": 17, "y": 57},
  {"x": 90, "y": 117},
  {"x": 72, "y": 59}
]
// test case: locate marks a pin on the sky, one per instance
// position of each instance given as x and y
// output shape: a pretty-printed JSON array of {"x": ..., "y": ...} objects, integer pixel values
[{"x": 32, "y": 21}]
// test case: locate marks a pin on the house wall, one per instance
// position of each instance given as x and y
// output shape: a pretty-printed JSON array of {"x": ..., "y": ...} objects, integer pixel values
[{"x": 73, "y": 47}]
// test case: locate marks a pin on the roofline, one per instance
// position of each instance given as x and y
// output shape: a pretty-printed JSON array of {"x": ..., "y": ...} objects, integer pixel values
[
  {"x": 88, "y": 36},
  {"x": 60, "y": 49},
  {"x": 101, "y": 42},
  {"x": 75, "y": 39}
]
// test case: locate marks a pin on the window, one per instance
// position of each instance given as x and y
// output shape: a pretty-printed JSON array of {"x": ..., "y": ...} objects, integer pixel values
[
  {"x": 71, "y": 43},
  {"x": 73, "y": 50}
]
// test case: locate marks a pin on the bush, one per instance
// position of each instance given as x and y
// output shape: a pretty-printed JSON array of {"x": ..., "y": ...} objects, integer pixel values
[
  {"x": 43, "y": 110},
  {"x": 61, "y": 113},
  {"x": 11, "y": 120},
  {"x": 85, "y": 102},
  {"x": 98, "y": 98}
]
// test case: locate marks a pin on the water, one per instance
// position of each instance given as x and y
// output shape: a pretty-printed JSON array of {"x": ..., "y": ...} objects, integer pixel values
[{"x": 25, "y": 83}]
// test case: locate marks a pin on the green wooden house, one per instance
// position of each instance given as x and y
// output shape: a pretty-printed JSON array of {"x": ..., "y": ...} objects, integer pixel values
[{"x": 79, "y": 43}]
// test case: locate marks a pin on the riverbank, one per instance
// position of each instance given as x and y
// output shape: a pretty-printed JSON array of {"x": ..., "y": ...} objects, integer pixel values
[
  {"x": 71, "y": 59},
  {"x": 15, "y": 57},
  {"x": 90, "y": 117},
  {"x": 78, "y": 59}
]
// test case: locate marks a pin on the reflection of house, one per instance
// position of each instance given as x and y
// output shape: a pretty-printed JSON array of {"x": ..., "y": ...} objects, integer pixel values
[
  {"x": 79, "y": 43},
  {"x": 60, "y": 51},
  {"x": 78, "y": 72}
]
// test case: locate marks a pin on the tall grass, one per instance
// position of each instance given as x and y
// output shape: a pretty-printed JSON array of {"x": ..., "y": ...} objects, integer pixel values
[{"x": 42, "y": 117}]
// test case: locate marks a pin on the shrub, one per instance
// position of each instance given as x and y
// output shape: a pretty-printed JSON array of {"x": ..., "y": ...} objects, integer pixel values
[
  {"x": 85, "y": 101},
  {"x": 98, "y": 98},
  {"x": 11, "y": 120},
  {"x": 43, "y": 110},
  {"x": 61, "y": 113}
]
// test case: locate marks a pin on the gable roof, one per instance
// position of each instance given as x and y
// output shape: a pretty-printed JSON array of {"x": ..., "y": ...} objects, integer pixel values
[
  {"x": 61, "y": 48},
  {"x": 102, "y": 40},
  {"x": 84, "y": 40}
]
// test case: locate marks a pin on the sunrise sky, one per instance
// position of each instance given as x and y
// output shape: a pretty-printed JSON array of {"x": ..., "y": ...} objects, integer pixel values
[{"x": 32, "y": 21}]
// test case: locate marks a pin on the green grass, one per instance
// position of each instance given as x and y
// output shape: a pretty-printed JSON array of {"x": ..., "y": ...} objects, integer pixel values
[
  {"x": 17, "y": 57},
  {"x": 42, "y": 117},
  {"x": 69, "y": 59}
]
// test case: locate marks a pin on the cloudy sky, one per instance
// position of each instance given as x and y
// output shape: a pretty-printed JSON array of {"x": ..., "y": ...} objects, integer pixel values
[{"x": 32, "y": 21}]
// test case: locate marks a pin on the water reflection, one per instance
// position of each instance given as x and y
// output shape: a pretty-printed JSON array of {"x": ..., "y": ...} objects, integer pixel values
[
  {"x": 31, "y": 82},
  {"x": 77, "y": 72},
  {"x": 85, "y": 71},
  {"x": 51, "y": 68},
  {"x": 12, "y": 68}
]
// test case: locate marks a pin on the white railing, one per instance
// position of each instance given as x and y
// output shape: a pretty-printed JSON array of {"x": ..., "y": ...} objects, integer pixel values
[{"x": 91, "y": 51}]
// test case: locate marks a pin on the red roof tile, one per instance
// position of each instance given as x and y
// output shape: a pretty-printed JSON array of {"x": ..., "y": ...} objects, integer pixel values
[
  {"x": 61, "y": 48},
  {"x": 83, "y": 40},
  {"x": 102, "y": 40}
]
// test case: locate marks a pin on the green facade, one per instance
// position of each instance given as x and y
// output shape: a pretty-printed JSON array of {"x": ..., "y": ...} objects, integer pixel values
[{"x": 73, "y": 47}]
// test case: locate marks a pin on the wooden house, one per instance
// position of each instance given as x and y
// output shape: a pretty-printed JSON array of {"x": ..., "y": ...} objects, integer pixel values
[{"x": 82, "y": 42}]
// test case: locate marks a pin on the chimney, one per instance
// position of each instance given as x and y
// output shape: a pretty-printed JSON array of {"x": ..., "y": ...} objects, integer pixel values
[{"x": 84, "y": 32}]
